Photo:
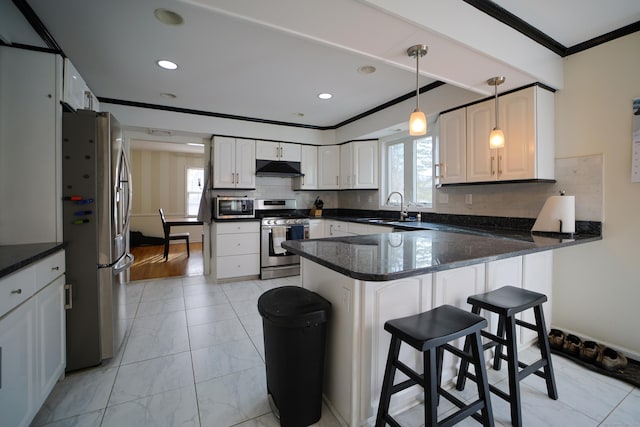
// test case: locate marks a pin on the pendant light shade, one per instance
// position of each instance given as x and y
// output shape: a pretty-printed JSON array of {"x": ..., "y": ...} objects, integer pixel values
[
  {"x": 496, "y": 138},
  {"x": 417, "y": 121}
]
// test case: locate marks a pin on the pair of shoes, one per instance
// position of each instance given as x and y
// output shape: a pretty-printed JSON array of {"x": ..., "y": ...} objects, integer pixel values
[
  {"x": 591, "y": 351},
  {"x": 612, "y": 360},
  {"x": 556, "y": 339},
  {"x": 572, "y": 345}
]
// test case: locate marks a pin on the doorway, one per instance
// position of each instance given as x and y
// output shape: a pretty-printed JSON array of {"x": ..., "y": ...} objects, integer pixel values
[{"x": 167, "y": 172}]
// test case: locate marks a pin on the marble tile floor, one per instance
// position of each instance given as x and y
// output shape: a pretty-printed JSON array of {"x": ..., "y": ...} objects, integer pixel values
[{"x": 194, "y": 356}]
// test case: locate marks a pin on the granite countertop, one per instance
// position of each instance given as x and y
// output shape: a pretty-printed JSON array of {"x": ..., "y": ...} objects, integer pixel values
[
  {"x": 390, "y": 256},
  {"x": 15, "y": 257}
]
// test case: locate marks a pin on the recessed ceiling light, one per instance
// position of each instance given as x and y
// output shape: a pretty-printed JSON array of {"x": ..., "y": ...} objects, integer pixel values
[
  {"x": 325, "y": 95},
  {"x": 168, "y": 95},
  {"x": 168, "y": 17},
  {"x": 299, "y": 114},
  {"x": 367, "y": 69},
  {"x": 166, "y": 64}
]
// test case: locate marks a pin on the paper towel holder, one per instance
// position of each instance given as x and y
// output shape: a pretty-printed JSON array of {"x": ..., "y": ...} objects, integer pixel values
[{"x": 557, "y": 215}]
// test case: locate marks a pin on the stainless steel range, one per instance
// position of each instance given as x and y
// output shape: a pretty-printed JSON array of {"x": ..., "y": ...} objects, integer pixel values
[{"x": 279, "y": 222}]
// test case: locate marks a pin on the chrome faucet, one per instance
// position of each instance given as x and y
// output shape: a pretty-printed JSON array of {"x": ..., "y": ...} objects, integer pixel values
[{"x": 403, "y": 212}]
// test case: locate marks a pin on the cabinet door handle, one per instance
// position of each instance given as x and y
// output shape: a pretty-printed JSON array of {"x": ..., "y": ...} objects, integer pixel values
[
  {"x": 56, "y": 268},
  {"x": 233, "y": 178},
  {"x": 330, "y": 229},
  {"x": 439, "y": 167},
  {"x": 499, "y": 166},
  {"x": 337, "y": 180},
  {"x": 493, "y": 172},
  {"x": 68, "y": 305},
  {"x": 17, "y": 291}
]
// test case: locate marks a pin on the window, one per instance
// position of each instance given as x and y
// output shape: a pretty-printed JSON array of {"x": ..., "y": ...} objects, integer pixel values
[
  {"x": 409, "y": 170},
  {"x": 195, "y": 181}
]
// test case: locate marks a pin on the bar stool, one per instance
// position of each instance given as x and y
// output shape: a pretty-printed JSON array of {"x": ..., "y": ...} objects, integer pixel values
[
  {"x": 506, "y": 302},
  {"x": 430, "y": 332}
]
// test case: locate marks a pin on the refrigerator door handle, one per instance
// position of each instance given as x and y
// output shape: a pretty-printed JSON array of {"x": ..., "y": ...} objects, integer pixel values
[
  {"x": 125, "y": 262},
  {"x": 125, "y": 164}
]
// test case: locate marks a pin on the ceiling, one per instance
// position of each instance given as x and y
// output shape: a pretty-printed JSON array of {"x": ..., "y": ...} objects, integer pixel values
[{"x": 270, "y": 60}]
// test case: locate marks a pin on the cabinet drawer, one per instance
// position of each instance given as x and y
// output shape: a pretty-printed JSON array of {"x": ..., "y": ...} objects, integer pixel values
[
  {"x": 16, "y": 288},
  {"x": 238, "y": 244},
  {"x": 48, "y": 269},
  {"x": 238, "y": 265},
  {"x": 238, "y": 227}
]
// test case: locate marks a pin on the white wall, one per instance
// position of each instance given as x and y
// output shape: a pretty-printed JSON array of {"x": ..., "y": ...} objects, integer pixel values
[{"x": 597, "y": 285}]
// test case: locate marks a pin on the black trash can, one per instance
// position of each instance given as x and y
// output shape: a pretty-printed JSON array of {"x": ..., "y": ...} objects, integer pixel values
[{"x": 294, "y": 322}]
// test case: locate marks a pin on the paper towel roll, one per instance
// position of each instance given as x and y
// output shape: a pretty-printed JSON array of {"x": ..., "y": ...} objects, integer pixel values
[{"x": 557, "y": 210}]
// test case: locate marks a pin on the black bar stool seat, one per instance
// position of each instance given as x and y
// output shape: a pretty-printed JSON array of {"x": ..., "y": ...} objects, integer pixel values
[
  {"x": 430, "y": 332},
  {"x": 506, "y": 302}
]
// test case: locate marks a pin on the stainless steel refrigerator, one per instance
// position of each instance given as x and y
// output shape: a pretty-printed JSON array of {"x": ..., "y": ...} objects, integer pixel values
[{"x": 97, "y": 188}]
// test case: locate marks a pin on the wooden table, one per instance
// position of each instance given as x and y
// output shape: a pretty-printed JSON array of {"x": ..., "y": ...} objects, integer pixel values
[{"x": 174, "y": 222}]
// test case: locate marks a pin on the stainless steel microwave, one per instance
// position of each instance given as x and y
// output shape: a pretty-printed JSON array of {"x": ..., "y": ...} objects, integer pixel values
[{"x": 231, "y": 207}]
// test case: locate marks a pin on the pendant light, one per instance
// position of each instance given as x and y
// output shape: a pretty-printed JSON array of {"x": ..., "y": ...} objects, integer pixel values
[
  {"x": 417, "y": 121},
  {"x": 496, "y": 138}
]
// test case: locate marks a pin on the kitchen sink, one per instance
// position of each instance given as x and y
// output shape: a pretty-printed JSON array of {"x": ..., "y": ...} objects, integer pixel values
[{"x": 381, "y": 220}]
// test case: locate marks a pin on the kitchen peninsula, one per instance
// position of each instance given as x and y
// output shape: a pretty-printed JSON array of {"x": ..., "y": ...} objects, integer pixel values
[{"x": 371, "y": 279}]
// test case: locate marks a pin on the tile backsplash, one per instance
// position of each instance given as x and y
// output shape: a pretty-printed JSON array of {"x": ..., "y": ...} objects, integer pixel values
[{"x": 581, "y": 177}]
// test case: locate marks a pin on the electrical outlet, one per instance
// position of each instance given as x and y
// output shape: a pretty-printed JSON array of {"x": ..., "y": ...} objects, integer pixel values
[{"x": 468, "y": 199}]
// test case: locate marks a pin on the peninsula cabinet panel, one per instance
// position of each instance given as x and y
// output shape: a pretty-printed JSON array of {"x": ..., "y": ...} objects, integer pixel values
[
  {"x": 383, "y": 302},
  {"x": 503, "y": 272},
  {"x": 453, "y": 287},
  {"x": 537, "y": 276}
]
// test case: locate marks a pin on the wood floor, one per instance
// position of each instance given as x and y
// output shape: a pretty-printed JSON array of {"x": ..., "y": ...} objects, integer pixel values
[{"x": 149, "y": 261}]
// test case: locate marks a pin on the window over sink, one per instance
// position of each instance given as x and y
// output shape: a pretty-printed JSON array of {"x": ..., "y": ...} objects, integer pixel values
[{"x": 408, "y": 168}]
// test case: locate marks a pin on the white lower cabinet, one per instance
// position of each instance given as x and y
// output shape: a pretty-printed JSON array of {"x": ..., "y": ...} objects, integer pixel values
[
  {"x": 32, "y": 340},
  {"x": 316, "y": 228},
  {"x": 237, "y": 249},
  {"x": 335, "y": 228},
  {"x": 18, "y": 370},
  {"x": 51, "y": 327}
]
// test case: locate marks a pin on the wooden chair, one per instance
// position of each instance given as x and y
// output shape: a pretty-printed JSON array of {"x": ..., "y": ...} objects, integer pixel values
[{"x": 168, "y": 236}]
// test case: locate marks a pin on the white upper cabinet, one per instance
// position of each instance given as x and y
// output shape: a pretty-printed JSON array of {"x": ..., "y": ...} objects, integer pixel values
[
  {"x": 309, "y": 168},
  {"x": 30, "y": 146},
  {"x": 452, "y": 165},
  {"x": 481, "y": 160},
  {"x": 328, "y": 167},
  {"x": 526, "y": 118},
  {"x": 76, "y": 94},
  {"x": 234, "y": 163},
  {"x": 359, "y": 165},
  {"x": 346, "y": 166},
  {"x": 270, "y": 150}
]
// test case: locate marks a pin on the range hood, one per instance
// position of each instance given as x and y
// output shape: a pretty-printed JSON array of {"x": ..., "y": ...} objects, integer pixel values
[{"x": 277, "y": 168}]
